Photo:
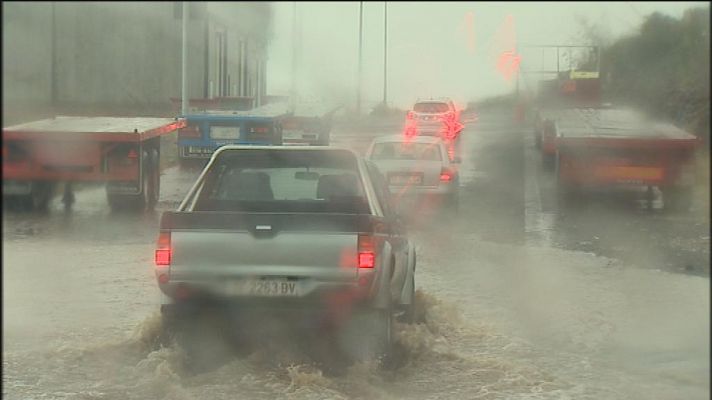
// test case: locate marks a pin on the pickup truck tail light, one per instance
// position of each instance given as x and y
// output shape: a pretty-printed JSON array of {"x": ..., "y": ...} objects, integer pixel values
[
  {"x": 163, "y": 251},
  {"x": 366, "y": 252}
]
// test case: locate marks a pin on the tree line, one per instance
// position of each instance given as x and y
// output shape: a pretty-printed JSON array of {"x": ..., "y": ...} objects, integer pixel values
[{"x": 664, "y": 68}]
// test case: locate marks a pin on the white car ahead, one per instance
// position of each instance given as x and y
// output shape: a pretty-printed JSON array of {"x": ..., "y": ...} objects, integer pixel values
[
  {"x": 417, "y": 168},
  {"x": 439, "y": 118}
]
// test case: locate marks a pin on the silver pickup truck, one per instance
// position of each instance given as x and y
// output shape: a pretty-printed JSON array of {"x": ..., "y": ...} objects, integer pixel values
[{"x": 291, "y": 228}]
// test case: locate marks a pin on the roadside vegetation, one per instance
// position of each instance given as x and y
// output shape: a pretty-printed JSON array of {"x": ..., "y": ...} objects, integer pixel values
[{"x": 663, "y": 68}]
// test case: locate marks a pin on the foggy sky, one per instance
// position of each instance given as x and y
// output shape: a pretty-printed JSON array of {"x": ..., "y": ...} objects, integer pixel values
[{"x": 432, "y": 48}]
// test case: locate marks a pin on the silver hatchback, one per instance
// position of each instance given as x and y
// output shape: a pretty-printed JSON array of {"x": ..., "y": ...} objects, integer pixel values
[{"x": 418, "y": 170}]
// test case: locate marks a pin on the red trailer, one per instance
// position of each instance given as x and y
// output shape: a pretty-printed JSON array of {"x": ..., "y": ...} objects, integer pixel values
[
  {"x": 124, "y": 152},
  {"x": 598, "y": 147}
]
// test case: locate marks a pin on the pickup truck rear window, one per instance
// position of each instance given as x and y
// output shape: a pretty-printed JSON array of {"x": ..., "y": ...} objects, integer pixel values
[{"x": 283, "y": 181}]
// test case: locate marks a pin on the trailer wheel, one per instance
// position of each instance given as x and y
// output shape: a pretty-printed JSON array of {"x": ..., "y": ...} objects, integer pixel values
[
  {"x": 677, "y": 199},
  {"x": 566, "y": 193},
  {"x": 135, "y": 202},
  {"x": 38, "y": 199},
  {"x": 42, "y": 194}
]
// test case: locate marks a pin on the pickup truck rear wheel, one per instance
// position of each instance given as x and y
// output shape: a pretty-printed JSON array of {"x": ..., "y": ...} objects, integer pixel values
[
  {"x": 408, "y": 316},
  {"x": 381, "y": 323},
  {"x": 368, "y": 336},
  {"x": 198, "y": 330}
]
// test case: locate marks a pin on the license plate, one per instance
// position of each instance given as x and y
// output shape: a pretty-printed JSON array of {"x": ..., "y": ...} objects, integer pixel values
[
  {"x": 225, "y": 132},
  {"x": 292, "y": 134},
  {"x": 402, "y": 180},
  {"x": 264, "y": 288}
]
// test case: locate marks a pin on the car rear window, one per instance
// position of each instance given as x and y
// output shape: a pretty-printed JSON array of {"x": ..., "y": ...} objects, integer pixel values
[
  {"x": 431, "y": 107},
  {"x": 284, "y": 181},
  {"x": 406, "y": 151}
]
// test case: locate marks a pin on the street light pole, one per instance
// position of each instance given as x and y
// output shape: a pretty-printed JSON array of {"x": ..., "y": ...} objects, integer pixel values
[
  {"x": 360, "y": 60},
  {"x": 294, "y": 56},
  {"x": 184, "y": 62},
  {"x": 385, "y": 52}
]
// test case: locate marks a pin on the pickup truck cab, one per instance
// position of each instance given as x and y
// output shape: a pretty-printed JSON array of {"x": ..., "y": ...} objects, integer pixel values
[{"x": 279, "y": 226}]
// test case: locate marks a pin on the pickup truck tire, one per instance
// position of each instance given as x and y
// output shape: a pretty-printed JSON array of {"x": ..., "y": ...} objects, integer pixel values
[
  {"x": 408, "y": 309},
  {"x": 368, "y": 336},
  {"x": 408, "y": 316},
  {"x": 200, "y": 332}
]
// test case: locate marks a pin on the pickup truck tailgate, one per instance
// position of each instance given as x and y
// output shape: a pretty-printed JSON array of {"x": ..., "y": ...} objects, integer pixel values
[{"x": 211, "y": 245}]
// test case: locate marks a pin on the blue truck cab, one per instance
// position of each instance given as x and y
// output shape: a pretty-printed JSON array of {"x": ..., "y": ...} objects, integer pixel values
[{"x": 207, "y": 131}]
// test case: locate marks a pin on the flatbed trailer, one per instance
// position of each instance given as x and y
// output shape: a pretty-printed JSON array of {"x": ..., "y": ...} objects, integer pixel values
[
  {"x": 604, "y": 147},
  {"x": 124, "y": 152}
]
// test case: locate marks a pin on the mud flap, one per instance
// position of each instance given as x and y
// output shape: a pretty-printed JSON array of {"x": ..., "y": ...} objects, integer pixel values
[
  {"x": 407, "y": 295},
  {"x": 367, "y": 336}
]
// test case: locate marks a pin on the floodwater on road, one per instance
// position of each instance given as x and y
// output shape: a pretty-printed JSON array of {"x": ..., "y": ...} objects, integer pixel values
[{"x": 498, "y": 319}]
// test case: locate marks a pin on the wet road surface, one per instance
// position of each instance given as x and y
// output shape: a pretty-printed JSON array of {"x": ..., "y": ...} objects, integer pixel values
[{"x": 517, "y": 299}]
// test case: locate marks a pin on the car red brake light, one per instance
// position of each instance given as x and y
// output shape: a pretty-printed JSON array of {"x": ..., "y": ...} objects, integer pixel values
[
  {"x": 366, "y": 252},
  {"x": 163, "y": 256},
  {"x": 163, "y": 252},
  {"x": 410, "y": 132},
  {"x": 446, "y": 175},
  {"x": 366, "y": 260},
  {"x": 410, "y": 115}
]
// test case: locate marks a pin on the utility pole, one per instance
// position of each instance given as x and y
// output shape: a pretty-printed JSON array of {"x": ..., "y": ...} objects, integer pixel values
[
  {"x": 54, "y": 58},
  {"x": 385, "y": 52},
  {"x": 360, "y": 60},
  {"x": 184, "y": 62},
  {"x": 294, "y": 57}
]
